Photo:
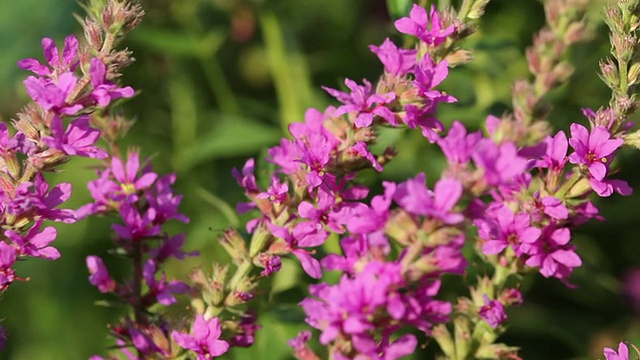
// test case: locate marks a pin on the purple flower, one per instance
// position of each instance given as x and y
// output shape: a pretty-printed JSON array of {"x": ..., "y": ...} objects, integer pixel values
[
  {"x": 51, "y": 95},
  {"x": 40, "y": 202},
  {"x": 304, "y": 234},
  {"x": 161, "y": 289},
  {"x": 458, "y": 146},
  {"x": 417, "y": 24},
  {"x": 7, "y": 259},
  {"x": 171, "y": 246},
  {"x": 492, "y": 312},
  {"x": 35, "y": 243},
  {"x": 105, "y": 91},
  {"x": 595, "y": 150},
  {"x": 552, "y": 253},
  {"x": 428, "y": 76},
  {"x": 500, "y": 163},
  {"x": 58, "y": 64},
  {"x": 78, "y": 139},
  {"x": 396, "y": 61},
  {"x": 361, "y": 149},
  {"x": 413, "y": 196},
  {"x": 556, "y": 153},
  {"x": 621, "y": 354},
  {"x": 127, "y": 176},
  {"x": 247, "y": 179},
  {"x": 364, "y": 102},
  {"x": 204, "y": 339},
  {"x": 136, "y": 226},
  {"x": 99, "y": 275},
  {"x": 162, "y": 199},
  {"x": 503, "y": 228}
]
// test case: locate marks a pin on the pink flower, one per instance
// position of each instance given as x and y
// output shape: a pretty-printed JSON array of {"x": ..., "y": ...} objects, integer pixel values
[
  {"x": 417, "y": 24},
  {"x": 595, "y": 150},
  {"x": 622, "y": 354},
  {"x": 396, "y": 61},
  {"x": 78, "y": 139},
  {"x": 204, "y": 339},
  {"x": 363, "y": 101},
  {"x": 99, "y": 275},
  {"x": 105, "y": 91},
  {"x": 58, "y": 64},
  {"x": 492, "y": 312}
]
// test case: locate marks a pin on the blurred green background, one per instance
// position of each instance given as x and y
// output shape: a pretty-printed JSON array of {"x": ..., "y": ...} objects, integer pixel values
[{"x": 221, "y": 79}]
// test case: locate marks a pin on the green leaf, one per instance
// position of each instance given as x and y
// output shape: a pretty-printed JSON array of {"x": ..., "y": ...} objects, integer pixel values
[
  {"x": 399, "y": 8},
  {"x": 176, "y": 43},
  {"x": 232, "y": 135}
]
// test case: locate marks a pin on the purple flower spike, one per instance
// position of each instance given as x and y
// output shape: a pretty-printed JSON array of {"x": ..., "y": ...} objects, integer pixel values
[
  {"x": 417, "y": 24},
  {"x": 492, "y": 312},
  {"x": 204, "y": 339}
]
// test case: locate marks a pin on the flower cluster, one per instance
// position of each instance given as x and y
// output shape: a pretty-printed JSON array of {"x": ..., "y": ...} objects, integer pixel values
[{"x": 509, "y": 196}]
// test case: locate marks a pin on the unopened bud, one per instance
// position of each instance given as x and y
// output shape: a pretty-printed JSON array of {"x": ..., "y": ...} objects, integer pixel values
[
  {"x": 609, "y": 74},
  {"x": 477, "y": 9},
  {"x": 634, "y": 73}
]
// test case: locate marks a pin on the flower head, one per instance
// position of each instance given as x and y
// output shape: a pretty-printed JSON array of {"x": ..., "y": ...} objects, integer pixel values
[{"x": 204, "y": 340}]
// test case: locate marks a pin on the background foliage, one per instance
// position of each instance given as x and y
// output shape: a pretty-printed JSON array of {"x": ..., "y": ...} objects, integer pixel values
[{"x": 221, "y": 79}]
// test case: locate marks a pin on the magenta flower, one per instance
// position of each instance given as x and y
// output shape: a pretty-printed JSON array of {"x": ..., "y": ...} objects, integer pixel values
[
  {"x": 136, "y": 226},
  {"x": 105, "y": 91},
  {"x": 552, "y": 253},
  {"x": 621, "y": 354},
  {"x": 171, "y": 246},
  {"x": 51, "y": 95},
  {"x": 161, "y": 289},
  {"x": 500, "y": 163},
  {"x": 556, "y": 153},
  {"x": 35, "y": 243},
  {"x": 127, "y": 175},
  {"x": 364, "y": 102},
  {"x": 305, "y": 234},
  {"x": 396, "y": 61},
  {"x": 503, "y": 228},
  {"x": 595, "y": 150},
  {"x": 417, "y": 24},
  {"x": 492, "y": 312},
  {"x": 458, "y": 146},
  {"x": 7, "y": 259},
  {"x": 78, "y": 139},
  {"x": 413, "y": 196},
  {"x": 361, "y": 149},
  {"x": 40, "y": 202},
  {"x": 99, "y": 275},
  {"x": 204, "y": 339},
  {"x": 162, "y": 199},
  {"x": 58, "y": 64}
]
